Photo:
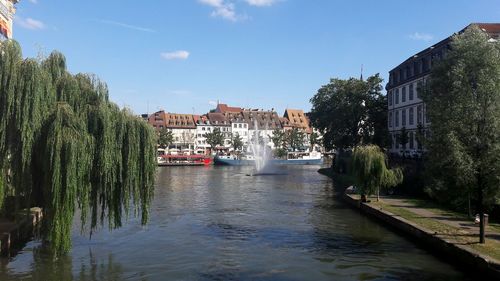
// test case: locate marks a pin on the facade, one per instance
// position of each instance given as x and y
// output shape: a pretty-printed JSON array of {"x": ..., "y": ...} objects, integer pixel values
[
  {"x": 406, "y": 83},
  {"x": 7, "y": 11},
  {"x": 261, "y": 124},
  {"x": 298, "y": 119},
  {"x": 182, "y": 127},
  {"x": 219, "y": 121},
  {"x": 203, "y": 126}
]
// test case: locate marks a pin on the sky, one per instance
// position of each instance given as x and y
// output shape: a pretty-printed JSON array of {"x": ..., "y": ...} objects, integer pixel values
[{"x": 184, "y": 56}]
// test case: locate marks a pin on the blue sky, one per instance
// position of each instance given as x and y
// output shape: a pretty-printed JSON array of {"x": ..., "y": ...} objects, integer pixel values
[{"x": 184, "y": 55}]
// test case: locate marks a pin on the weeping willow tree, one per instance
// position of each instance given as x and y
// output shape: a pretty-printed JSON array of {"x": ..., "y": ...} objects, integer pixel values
[
  {"x": 64, "y": 146},
  {"x": 371, "y": 172}
]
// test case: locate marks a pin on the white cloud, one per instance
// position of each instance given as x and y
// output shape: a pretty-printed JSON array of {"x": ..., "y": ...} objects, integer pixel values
[
  {"x": 125, "y": 25},
  {"x": 34, "y": 1},
  {"x": 261, "y": 3},
  {"x": 175, "y": 55},
  {"x": 30, "y": 23},
  {"x": 421, "y": 36},
  {"x": 223, "y": 9}
]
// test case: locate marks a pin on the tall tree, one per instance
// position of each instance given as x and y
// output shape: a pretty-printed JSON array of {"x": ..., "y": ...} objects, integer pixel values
[
  {"x": 295, "y": 138},
  {"x": 67, "y": 146},
  {"x": 214, "y": 138},
  {"x": 165, "y": 138},
  {"x": 403, "y": 138},
  {"x": 350, "y": 112},
  {"x": 371, "y": 172},
  {"x": 463, "y": 104},
  {"x": 279, "y": 139},
  {"x": 237, "y": 142},
  {"x": 313, "y": 140}
]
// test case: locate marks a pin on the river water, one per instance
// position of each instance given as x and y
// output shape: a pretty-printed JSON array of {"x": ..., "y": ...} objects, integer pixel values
[{"x": 217, "y": 223}]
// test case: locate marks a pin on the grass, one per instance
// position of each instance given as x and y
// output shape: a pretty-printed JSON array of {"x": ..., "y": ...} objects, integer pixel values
[{"x": 453, "y": 234}]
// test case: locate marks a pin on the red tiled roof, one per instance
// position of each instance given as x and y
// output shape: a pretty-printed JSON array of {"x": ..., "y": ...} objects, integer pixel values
[
  {"x": 490, "y": 28},
  {"x": 223, "y": 108}
]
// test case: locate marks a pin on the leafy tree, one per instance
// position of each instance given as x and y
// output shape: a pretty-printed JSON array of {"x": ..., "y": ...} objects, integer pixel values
[
  {"x": 463, "y": 104},
  {"x": 278, "y": 139},
  {"x": 295, "y": 138},
  {"x": 214, "y": 138},
  {"x": 237, "y": 142},
  {"x": 313, "y": 139},
  {"x": 280, "y": 153},
  {"x": 369, "y": 168},
  {"x": 165, "y": 138},
  {"x": 67, "y": 146},
  {"x": 403, "y": 138},
  {"x": 351, "y": 112}
]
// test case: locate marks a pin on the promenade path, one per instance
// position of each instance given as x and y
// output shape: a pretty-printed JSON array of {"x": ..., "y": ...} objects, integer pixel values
[{"x": 448, "y": 225}]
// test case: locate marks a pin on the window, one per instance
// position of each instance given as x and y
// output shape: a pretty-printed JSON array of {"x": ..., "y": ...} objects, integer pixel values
[
  {"x": 203, "y": 128},
  {"x": 410, "y": 113},
  {"x": 419, "y": 114},
  {"x": 403, "y": 117},
  {"x": 419, "y": 88},
  {"x": 410, "y": 92},
  {"x": 397, "y": 119},
  {"x": 390, "y": 119},
  {"x": 234, "y": 125},
  {"x": 397, "y": 96},
  {"x": 389, "y": 97},
  {"x": 240, "y": 126},
  {"x": 403, "y": 94}
]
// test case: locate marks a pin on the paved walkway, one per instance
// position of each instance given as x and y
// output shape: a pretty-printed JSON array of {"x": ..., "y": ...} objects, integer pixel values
[{"x": 464, "y": 226}]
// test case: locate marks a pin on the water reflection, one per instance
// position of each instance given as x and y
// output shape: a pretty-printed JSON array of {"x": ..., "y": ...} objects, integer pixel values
[{"x": 216, "y": 223}]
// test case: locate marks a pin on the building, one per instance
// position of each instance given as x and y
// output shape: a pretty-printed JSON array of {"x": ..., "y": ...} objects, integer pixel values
[
  {"x": 7, "y": 11},
  {"x": 261, "y": 124},
  {"x": 182, "y": 127},
  {"x": 238, "y": 127},
  {"x": 219, "y": 121},
  {"x": 406, "y": 82},
  {"x": 297, "y": 119},
  {"x": 203, "y": 126},
  {"x": 224, "y": 108}
]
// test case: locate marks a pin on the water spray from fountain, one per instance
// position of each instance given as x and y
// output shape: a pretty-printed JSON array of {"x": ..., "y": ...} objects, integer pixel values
[{"x": 260, "y": 151}]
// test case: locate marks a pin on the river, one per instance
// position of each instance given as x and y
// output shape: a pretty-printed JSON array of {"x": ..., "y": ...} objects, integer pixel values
[{"x": 217, "y": 223}]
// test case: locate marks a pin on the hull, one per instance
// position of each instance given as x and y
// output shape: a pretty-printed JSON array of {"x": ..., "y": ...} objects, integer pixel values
[{"x": 243, "y": 162}]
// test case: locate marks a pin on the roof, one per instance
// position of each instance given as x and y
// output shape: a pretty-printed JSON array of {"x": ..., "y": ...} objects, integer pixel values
[
  {"x": 179, "y": 121},
  {"x": 217, "y": 118},
  {"x": 297, "y": 118},
  {"x": 492, "y": 29},
  {"x": 285, "y": 122},
  {"x": 224, "y": 108},
  {"x": 262, "y": 119}
]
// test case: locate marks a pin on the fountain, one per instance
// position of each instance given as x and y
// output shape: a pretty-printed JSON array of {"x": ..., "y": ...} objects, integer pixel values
[{"x": 262, "y": 153}]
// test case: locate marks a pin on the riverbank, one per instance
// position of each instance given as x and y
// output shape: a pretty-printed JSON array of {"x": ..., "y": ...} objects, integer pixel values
[
  {"x": 446, "y": 233},
  {"x": 14, "y": 234}
]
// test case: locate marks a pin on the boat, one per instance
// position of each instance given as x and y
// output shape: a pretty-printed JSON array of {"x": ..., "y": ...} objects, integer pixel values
[
  {"x": 182, "y": 160},
  {"x": 293, "y": 158}
]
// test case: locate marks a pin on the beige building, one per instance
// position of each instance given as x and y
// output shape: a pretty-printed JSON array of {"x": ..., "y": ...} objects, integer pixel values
[
  {"x": 406, "y": 81},
  {"x": 7, "y": 11}
]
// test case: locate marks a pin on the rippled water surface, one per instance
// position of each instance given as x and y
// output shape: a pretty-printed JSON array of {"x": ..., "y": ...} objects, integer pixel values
[{"x": 217, "y": 223}]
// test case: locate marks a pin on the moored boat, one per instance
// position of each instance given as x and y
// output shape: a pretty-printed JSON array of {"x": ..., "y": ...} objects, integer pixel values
[{"x": 293, "y": 158}]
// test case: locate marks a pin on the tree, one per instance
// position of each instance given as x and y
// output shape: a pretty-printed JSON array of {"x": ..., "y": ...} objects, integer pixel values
[
  {"x": 214, "y": 138},
  {"x": 165, "y": 138},
  {"x": 350, "y": 112},
  {"x": 371, "y": 172},
  {"x": 295, "y": 138},
  {"x": 403, "y": 138},
  {"x": 278, "y": 139},
  {"x": 313, "y": 139},
  {"x": 67, "y": 146},
  {"x": 237, "y": 142},
  {"x": 463, "y": 104}
]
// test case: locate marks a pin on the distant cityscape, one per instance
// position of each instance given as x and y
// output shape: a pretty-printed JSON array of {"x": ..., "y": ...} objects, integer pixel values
[{"x": 189, "y": 130}]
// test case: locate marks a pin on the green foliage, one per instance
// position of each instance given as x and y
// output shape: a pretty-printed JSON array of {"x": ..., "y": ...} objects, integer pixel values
[
  {"x": 68, "y": 147},
  {"x": 280, "y": 152},
  {"x": 214, "y": 138},
  {"x": 369, "y": 168},
  {"x": 313, "y": 139},
  {"x": 279, "y": 139},
  {"x": 351, "y": 112},
  {"x": 165, "y": 138},
  {"x": 295, "y": 138},
  {"x": 403, "y": 138},
  {"x": 237, "y": 142},
  {"x": 463, "y": 104}
]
